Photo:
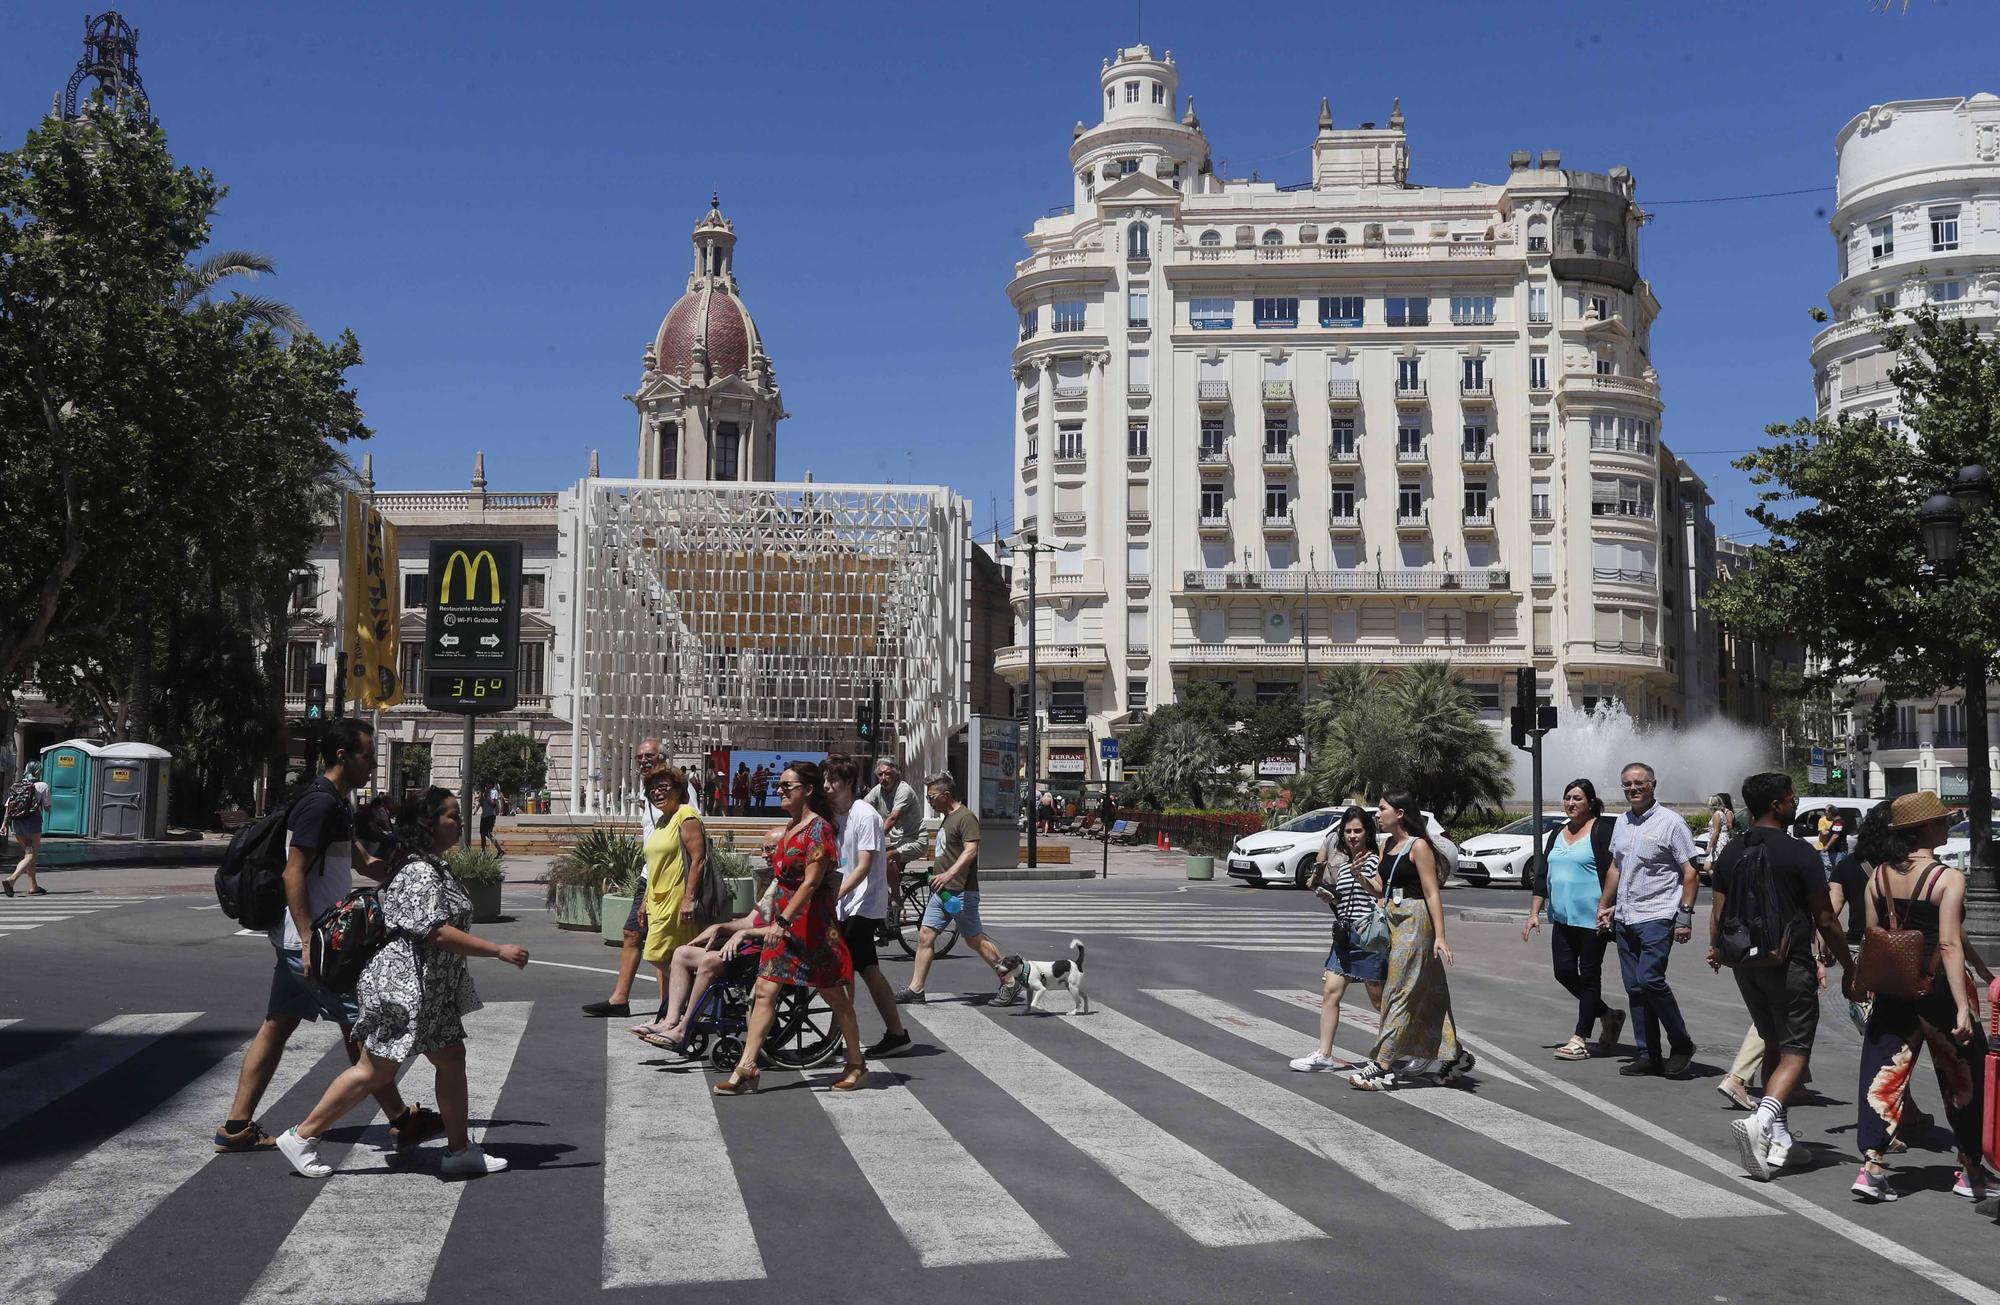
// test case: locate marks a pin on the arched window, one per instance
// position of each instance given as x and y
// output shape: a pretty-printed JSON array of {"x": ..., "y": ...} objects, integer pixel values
[
  {"x": 1211, "y": 238},
  {"x": 1274, "y": 237},
  {"x": 1337, "y": 236},
  {"x": 1135, "y": 241}
]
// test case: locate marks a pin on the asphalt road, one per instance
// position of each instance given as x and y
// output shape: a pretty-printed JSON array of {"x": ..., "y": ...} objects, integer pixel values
[{"x": 1158, "y": 1150}]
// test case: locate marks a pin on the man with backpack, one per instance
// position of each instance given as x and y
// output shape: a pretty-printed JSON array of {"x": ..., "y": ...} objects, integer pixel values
[
  {"x": 1769, "y": 899},
  {"x": 320, "y": 859}
]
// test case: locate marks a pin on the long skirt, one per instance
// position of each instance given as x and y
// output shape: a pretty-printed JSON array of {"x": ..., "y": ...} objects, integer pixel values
[{"x": 1417, "y": 1030}]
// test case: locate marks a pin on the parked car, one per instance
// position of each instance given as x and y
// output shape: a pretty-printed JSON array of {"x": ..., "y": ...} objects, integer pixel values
[
  {"x": 1503, "y": 855},
  {"x": 1956, "y": 851},
  {"x": 1286, "y": 854}
]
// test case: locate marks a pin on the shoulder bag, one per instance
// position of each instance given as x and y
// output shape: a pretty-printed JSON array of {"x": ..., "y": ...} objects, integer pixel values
[
  {"x": 1892, "y": 962},
  {"x": 1371, "y": 932}
]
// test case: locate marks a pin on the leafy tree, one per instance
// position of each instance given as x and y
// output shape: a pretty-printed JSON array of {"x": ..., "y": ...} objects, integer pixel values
[
  {"x": 1417, "y": 728},
  {"x": 516, "y": 762},
  {"x": 1181, "y": 766},
  {"x": 1358, "y": 744},
  {"x": 415, "y": 767}
]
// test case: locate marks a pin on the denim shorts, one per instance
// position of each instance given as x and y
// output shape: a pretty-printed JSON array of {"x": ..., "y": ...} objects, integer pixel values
[
  {"x": 638, "y": 901},
  {"x": 968, "y": 914},
  {"x": 28, "y": 827},
  {"x": 1358, "y": 963},
  {"x": 293, "y": 998}
]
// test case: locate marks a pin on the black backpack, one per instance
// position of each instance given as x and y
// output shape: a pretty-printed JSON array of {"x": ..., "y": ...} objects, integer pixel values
[
  {"x": 22, "y": 800},
  {"x": 250, "y": 882},
  {"x": 1756, "y": 925}
]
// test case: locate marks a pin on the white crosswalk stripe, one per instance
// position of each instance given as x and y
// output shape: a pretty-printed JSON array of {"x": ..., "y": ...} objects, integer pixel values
[
  {"x": 1360, "y": 1016},
  {"x": 22, "y": 913},
  {"x": 47, "y": 1078},
  {"x": 1274, "y": 931},
  {"x": 1196, "y": 1194},
  {"x": 52, "y": 1235},
  {"x": 1666, "y": 1190},
  {"x": 403, "y": 1215}
]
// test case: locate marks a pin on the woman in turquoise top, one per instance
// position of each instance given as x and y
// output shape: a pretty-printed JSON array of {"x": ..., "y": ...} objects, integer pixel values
[{"x": 1576, "y": 856}]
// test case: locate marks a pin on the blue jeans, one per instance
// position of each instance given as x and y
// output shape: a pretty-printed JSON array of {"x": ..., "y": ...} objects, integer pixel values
[{"x": 1643, "y": 951}]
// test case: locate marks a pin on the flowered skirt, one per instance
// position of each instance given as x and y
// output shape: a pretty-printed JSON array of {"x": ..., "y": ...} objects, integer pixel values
[
  {"x": 1417, "y": 1028},
  {"x": 810, "y": 954},
  {"x": 1899, "y": 1027}
]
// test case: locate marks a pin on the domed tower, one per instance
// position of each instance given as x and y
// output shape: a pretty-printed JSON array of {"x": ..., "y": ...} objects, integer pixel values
[
  {"x": 1142, "y": 130},
  {"x": 708, "y": 404}
]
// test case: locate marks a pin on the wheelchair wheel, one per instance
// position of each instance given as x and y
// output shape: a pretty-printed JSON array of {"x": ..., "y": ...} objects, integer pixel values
[
  {"x": 911, "y": 904},
  {"x": 697, "y": 1045},
  {"x": 803, "y": 1034},
  {"x": 725, "y": 1054}
]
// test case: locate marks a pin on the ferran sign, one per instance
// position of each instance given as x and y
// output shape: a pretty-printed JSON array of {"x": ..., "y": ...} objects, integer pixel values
[
  {"x": 473, "y": 630},
  {"x": 374, "y": 607}
]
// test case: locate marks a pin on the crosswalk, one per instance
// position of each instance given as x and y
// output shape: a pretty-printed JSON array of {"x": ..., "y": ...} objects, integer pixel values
[
  {"x": 1191, "y": 919},
  {"x": 22, "y": 913},
  {"x": 1139, "y": 1094}
]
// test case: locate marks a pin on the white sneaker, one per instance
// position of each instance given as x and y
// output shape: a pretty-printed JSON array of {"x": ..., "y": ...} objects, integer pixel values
[
  {"x": 1778, "y": 1155},
  {"x": 303, "y": 1153},
  {"x": 470, "y": 1163},
  {"x": 1753, "y": 1144},
  {"x": 1316, "y": 1063}
]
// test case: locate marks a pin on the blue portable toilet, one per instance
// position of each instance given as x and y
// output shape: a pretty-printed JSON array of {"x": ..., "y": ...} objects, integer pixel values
[{"x": 69, "y": 769}]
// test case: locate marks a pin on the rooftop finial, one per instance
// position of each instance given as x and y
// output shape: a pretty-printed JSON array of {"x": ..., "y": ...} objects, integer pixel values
[
  {"x": 1396, "y": 113},
  {"x": 368, "y": 473},
  {"x": 479, "y": 473},
  {"x": 1325, "y": 114},
  {"x": 715, "y": 200},
  {"x": 593, "y": 464},
  {"x": 1188, "y": 119}
]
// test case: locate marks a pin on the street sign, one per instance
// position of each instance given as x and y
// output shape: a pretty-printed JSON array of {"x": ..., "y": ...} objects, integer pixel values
[
  {"x": 472, "y": 634},
  {"x": 1108, "y": 749},
  {"x": 1818, "y": 760},
  {"x": 1816, "y": 774}
]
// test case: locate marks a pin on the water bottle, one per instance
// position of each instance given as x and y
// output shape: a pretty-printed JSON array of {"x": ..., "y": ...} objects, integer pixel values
[{"x": 952, "y": 900}]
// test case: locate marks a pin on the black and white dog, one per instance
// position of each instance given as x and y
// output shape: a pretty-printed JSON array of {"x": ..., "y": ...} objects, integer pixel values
[{"x": 1040, "y": 976}]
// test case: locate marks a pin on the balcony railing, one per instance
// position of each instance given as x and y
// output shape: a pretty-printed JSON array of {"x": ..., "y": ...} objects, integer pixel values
[
  {"x": 1072, "y": 393},
  {"x": 1278, "y": 522},
  {"x": 1344, "y": 455},
  {"x": 1210, "y": 523},
  {"x": 1291, "y": 654},
  {"x": 1138, "y": 389},
  {"x": 1642, "y": 448},
  {"x": 1138, "y": 514},
  {"x": 1069, "y": 520},
  {"x": 1948, "y": 739},
  {"x": 1477, "y": 391},
  {"x": 1212, "y": 457},
  {"x": 1476, "y": 455},
  {"x": 1538, "y": 244},
  {"x": 1613, "y": 575},
  {"x": 1358, "y": 580},
  {"x": 1377, "y": 252},
  {"x": 1896, "y": 740},
  {"x": 1278, "y": 456},
  {"x": 1342, "y": 522},
  {"x": 1015, "y": 658},
  {"x": 1418, "y": 520},
  {"x": 1629, "y": 511},
  {"x": 1627, "y": 649},
  {"x": 1478, "y": 520},
  {"x": 1070, "y": 455},
  {"x": 1543, "y": 513},
  {"x": 1410, "y": 453},
  {"x": 1028, "y": 524},
  {"x": 1410, "y": 391},
  {"x": 1343, "y": 392},
  {"x": 397, "y": 501},
  {"x": 1277, "y": 391},
  {"x": 1211, "y": 393}
]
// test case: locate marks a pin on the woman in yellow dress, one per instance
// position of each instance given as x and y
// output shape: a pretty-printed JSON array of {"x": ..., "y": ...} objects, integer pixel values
[{"x": 676, "y": 859}]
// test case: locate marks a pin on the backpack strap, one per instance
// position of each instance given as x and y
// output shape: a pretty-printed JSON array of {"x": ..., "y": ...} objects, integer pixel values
[
  {"x": 1929, "y": 882},
  {"x": 1881, "y": 886}
]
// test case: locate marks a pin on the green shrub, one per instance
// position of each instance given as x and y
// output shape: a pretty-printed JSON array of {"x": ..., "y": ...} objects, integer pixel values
[
  {"x": 604, "y": 861},
  {"x": 470, "y": 865}
]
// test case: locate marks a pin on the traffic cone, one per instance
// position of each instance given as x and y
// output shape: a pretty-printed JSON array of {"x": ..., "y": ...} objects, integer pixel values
[{"x": 1163, "y": 845}]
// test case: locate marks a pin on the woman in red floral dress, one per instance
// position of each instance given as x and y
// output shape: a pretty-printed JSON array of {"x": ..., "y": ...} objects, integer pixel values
[{"x": 802, "y": 945}]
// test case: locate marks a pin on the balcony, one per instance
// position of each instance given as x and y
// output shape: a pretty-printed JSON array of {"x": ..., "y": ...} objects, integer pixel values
[
  {"x": 1948, "y": 739},
  {"x": 1475, "y": 393},
  {"x": 1344, "y": 455},
  {"x": 1545, "y": 650},
  {"x": 1612, "y": 575},
  {"x": 1278, "y": 457},
  {"x": 1212, "y": 394},
  {"x": 1214, "y": 523},
  {"x": 1212, "y": 456},
  {"x": 1634, "y": 447},
  {"x": 1291, "y": 654},
  {"x": 1413, "y": 523},
  {"x": 1361, "y": 580},
  {"x": 1028, "y": 524},
  {"x": 1538, "y": 244},
  {"x": 1411, "y": 455},
  {"x": 1539, "y": 447},
  {"x": 1541, "y": 515},
  {"x": 1625, "y": 512},
  {"x": 1896, "y": 741},
  {"x": 1069, "y": 459},
  {"x": 1029, "y": 459},
  {"x": 1476, "y": 455},
  {"x": 1050, "y": 656},
  {"x": 1622, "y": 648},
  {"x": 1343, "y": 394},
  {"x": 1071, "y": 397},
  {"x": 1411, "y": 393},
  {"x": 1630, "y": 386},
  {"x": 1279, "y": 523},
  {"x": 1031, "y": 404},
  {"x": 1342, "y": 523},
  {"x": 1376, "y": 252},
  {"x": 1138, "y": 515},
  {"x": 1277, "y": 394},
  {"x": 1138, "y": 390},
  {"x": 1478, "y": 523}
]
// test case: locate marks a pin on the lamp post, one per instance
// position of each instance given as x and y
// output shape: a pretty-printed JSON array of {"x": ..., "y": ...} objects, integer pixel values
[
  {"x": 1944, "y": 521},
  {"x": 1306, "y": 640},
  {"x": 1030, "y": 544}
]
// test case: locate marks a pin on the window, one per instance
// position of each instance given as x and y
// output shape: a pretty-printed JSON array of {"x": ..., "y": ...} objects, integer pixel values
[
  {"x": 1340, "y": 310},
  {"x": 1139, "y": 372},
  {"x": 1211, "y": 500},
  {"x": 1623, "y": 496},
  {"x": 1277, "y": 436},
  {"x": 1067, "y": 315},
  {"x": 1944, "y": 228},
  {"x": 532, "y": 682},
  {"x": 727, "y": 445},
  {"x": 1342, "y": 499},
  {"x": 415, "y": 587},
  {"x": 1212, "y": 314},
  {"x": 1538, "y": 437},
  {"x": 1538, "y": 371},
  {"x": 1131, "y": 92},
  {"x": 1885, "y": 301},
  {"x": 1472, "y": 310},
  {"x": 305, "y": 590},
  {"x": 1110, "y": 99},
  {"x": 410, "y": 666},
  {"x": 1210, "y": 239},
  {"x": 1409, "y": 375},
  {"x": 1138, "y": 311},
  {"x": 1538, "y": 303},
  {"x": 1212, "y": 438},
  {"x": 534, "y": 590},
  {"x": 1621, "y": 434},
  {"x": 1409, "y": 500},
  {"x": 1604, "y": 364},
  {"x": 1947, "y": 292},
  {"x": 1135, "y": 241},
  {"x": 300, "y": 658},
  {"x": 1601, "y": 306},
  {"x": 1475, "y": 500},
  {"x": 1135, "y": 695},
  {"x": 1276, "y": 312},
  {"x": 1539, "y": 503},
  {"x": 1126, "y": 167},
  {"x": 1473, "y": 372},
  {"x": 1544, "y": 558},
  {"x": 1028, "y": 324},
  {"x": 1138, "y": 442},
  {"x": 1337, "y": 236},
  {"x": 1069, "y": 442},
  {"x": 1399, "y": 310},
  {"x": 1485, "y": 695},
  {"x": 1881, "y": 239},
  {"x": 1475, "y": 443},
  {"x": 1273, "y": 237},
  {"x": 670, "y": 443},
  {"x": 1138, "y": 560},
  {"x": 1410, "y": 441},
  {"x": 1277, "y": 500},
  {"x": 1159, "y": 93},
  {"x": 1340, "y": 440}
]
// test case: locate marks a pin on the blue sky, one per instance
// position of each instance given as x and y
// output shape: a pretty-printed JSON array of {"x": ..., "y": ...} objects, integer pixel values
[{"x": 497, "y": 197}]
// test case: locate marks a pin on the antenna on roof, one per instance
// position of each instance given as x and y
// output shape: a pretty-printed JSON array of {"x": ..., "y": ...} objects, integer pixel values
[{"x": 1139, "y": 24}]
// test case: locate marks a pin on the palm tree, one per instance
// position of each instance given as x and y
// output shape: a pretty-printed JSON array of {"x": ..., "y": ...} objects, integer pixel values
[
  {"x": 1182, "y": 762},
  {"x": 1454, "y": 761},
  {"x": 1359, "y": 742},
  {"x": 199, "y": 281}
]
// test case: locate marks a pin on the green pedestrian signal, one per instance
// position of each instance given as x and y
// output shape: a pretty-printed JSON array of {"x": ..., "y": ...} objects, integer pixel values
[
  {"x": 1838, "y": 774},
  {"x": 316, "y": 693}
]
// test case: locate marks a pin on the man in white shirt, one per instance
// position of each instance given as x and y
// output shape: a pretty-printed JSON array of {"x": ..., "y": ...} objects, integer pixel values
[
  {"x": 864, "y": 895},
  {"x": 619, "y": 1003}
]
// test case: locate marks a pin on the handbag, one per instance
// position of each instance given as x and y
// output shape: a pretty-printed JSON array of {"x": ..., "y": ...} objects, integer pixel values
[
  {"x": 711, "y": 899},
  {"x": 1371, "y": 932},
  {"x": 1893, "y": 960},
  {"x": 1990, "y": 1133}
]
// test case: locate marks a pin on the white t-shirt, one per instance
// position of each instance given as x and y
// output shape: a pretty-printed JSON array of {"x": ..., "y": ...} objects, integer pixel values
[{"x": 861, "y": 831}]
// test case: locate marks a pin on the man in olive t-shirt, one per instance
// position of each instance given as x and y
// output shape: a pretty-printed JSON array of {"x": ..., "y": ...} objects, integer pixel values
[{"x": 954, "y": 869}]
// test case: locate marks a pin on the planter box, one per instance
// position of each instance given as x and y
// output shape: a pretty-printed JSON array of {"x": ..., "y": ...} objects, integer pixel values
[
  {"x": 1201, "y": 867},
  {"x": 577, "y": 908},
  {"x": 742, "y": 896},
  {"x": 612, "y": 911},
  {"x": 485, "y": 902}
]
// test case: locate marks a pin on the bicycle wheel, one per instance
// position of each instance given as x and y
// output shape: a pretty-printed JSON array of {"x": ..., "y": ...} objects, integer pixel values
[
  {"x": 914, "y": 900},
  {"x": 803, "y": 1034}
]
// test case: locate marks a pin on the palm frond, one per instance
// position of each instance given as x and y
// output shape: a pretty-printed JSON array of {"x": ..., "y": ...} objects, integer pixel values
[{"x": 277, "y": 315}]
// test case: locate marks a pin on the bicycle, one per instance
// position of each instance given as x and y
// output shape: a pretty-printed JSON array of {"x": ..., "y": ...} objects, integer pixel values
[{"x": 906, "y": 917}]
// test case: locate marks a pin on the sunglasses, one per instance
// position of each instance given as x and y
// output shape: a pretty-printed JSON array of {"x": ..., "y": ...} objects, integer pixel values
[{"x": 790, "y": 788}]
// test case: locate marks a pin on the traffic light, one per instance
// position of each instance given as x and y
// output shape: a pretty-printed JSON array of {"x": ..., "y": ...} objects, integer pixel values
[
  {"x": 316, "y": 694},
  {"x": 1838, "y": 774},
  {"x": 1523, "y": 718},
  {"x": 868, "y": 714}
]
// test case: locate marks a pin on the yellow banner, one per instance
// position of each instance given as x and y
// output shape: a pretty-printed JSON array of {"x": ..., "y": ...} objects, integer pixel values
[{"x": 374, "y": 607}]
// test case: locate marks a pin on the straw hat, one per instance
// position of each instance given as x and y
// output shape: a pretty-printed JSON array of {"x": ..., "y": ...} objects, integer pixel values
[{"x": 1913, "y": 809}]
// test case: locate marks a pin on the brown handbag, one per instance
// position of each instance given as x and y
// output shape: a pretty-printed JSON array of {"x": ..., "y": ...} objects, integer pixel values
[{"x": 1893, "y": 961}]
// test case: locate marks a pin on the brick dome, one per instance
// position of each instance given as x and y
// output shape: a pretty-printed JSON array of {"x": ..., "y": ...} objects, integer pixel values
[{"x": 713, "y": 317}]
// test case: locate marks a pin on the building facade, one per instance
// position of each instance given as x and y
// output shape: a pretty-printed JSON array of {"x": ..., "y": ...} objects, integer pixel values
[
  {"x": 1393, "y": 421},
  {"x": 1917, "y": 221}
]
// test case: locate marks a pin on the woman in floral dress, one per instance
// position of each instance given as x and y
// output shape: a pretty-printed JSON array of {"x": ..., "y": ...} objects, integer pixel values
[
  {"x": 414, "y": 992},
  {"x": 802, "y": 945}
]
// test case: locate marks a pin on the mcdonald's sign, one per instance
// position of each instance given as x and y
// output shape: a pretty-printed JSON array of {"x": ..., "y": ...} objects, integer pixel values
[
  {"x": 474, "y": 620},
  {"x": 471, "y": 565}
]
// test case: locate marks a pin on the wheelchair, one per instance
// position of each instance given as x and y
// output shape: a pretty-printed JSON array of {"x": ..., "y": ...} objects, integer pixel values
[{"x": 803, "y": 1035}]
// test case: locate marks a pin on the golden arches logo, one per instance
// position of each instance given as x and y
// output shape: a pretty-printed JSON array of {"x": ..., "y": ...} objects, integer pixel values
[{"x": 472, "y": 565}]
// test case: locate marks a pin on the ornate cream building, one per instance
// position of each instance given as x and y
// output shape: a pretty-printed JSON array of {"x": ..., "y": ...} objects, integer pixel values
[{"x": 1392, "y": 420}]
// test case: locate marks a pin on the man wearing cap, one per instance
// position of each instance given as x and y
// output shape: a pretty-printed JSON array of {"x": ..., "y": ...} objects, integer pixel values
[{"x": 1648, "y": 904}]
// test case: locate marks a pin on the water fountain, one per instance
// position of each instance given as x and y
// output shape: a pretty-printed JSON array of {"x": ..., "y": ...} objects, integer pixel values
[{"x": 1693, "y": 762}]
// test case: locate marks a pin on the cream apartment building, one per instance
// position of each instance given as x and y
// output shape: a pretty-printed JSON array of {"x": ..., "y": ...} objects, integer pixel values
[{"x": 1388, "y": 420}]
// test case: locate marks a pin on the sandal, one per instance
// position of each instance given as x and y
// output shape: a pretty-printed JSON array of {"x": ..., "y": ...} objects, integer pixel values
[
  {"x": 853, "y": 1079},
  {"x": 660, "y": 1040},
  {"x": 740, "y": 1083},
  {"x": 1574, "y": 1049}
]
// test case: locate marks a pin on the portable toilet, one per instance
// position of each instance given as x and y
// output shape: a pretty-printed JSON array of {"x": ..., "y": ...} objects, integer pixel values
[
  {"x": 69, "y": 769},
  {"x": 131, "y": 790}
]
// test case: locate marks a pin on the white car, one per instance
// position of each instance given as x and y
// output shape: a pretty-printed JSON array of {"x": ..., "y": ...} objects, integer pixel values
[
  {"x": 1956, "y": 851},
  {"x": 1504, "y": 855},
  {"x": 1286, "y": 854}
]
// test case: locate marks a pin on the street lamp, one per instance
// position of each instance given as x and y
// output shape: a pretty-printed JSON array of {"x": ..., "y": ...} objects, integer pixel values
[
  {"x": 1944, "y": 520},
  {"x": 1306, "y": 639},
  {"x": 1030, "y": 543}
]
